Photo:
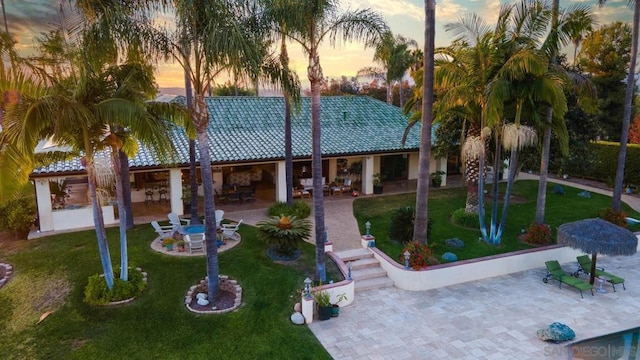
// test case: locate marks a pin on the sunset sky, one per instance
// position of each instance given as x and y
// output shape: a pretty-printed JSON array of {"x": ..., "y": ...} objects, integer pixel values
[{"x": 28, "y": 18}]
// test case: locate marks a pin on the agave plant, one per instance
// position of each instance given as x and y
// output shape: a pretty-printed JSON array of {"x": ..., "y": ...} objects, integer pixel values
[{"x": 284, "y": 233}]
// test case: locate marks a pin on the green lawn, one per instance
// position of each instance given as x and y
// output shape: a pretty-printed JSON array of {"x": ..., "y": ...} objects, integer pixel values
[
  {"x": 560, "y": 209},
  {"x": 156, "y": 325}
]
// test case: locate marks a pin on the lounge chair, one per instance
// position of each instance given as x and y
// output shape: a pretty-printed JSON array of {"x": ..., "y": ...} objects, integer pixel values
[
  {"x": 176, "y": 221},
  {"x": 229, "y": 231},
  {"x": 195, "y": 242},
  {"x": 584, "y": 264},
  {"x": 163, "y": 231},
  {"x": 555, "y": 271}
]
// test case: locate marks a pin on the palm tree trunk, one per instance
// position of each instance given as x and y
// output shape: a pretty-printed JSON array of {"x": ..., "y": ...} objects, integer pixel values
[
  {"x": 126, "y": 189},
  {"x": 626, "y": 120},
  {"x": 472, "y": 171},
  {"x": 124, "y": 255},
  {"x": 288, "y": 152},
  {"x": 193, "y": 169},
  {"x": 541, "y": 201},
  {"x": 389, "y": 92},
  {"x": 422, "y": 190},
  {"x": 314, "y": 72},
  {"x": 98, "y": 221},
  {"x": 201, "y": 122}
]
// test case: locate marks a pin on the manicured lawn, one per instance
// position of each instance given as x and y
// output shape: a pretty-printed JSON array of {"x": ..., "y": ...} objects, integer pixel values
[
  {"x": 157, "y": 325},
  {"x": 559, "y": 210}
]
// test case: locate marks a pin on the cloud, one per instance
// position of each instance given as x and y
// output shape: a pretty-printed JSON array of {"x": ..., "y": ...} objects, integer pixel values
[{"x": 387, "y": 8}]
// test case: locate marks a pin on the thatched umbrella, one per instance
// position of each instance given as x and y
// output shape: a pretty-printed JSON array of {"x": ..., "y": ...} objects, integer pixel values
[{"x": 597, "y": 236}]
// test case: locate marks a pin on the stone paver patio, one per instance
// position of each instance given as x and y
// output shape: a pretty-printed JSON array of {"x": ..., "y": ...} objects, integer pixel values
[{"x": 495, "y": 318}]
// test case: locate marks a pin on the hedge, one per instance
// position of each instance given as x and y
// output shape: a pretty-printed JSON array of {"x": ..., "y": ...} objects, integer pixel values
[{"x": 606, "y": 161}]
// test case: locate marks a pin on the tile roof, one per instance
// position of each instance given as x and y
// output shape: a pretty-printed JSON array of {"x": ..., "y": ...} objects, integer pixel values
[{"x": 247, "y": 129}]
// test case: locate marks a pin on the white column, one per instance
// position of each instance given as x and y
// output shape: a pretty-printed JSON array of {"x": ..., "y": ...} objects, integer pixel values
[
  {"x": 43, "y": 198},
  {"x": 333, "y": 170},
  {"x": 367, "y": 174},
  {"x": 413, "y": 165},
  {"x": 281, "y": 181},
  {"x": 175, "y": 191}
]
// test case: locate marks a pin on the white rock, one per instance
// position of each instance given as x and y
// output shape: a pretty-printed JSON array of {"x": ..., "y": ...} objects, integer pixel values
[
  {"x": 203, "y": 302},
  {"x": 297, "y": 318},
  {"x": 201, "y": 296}
]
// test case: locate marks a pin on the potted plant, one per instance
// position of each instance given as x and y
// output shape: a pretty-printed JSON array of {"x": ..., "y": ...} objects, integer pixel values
[
  {"x": 335, "y": 307},
  {"x": 284, "y": 234},
  {"x": 181, "y": 246},
  {"x": 377, "y": 187},
  {"x": 168, "y": 243},
  {"x": 436, "y": 178},
  {"x": 323, "y": 299}
]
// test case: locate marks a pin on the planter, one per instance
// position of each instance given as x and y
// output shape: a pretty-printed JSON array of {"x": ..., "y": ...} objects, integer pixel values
[
  {"x": 436, "y": 183},
  {"x": 335, "y": 310},
  {"x": 169, "y": 247},
  {"x": 324, "y": 312},
  {"x": 377, "y": 189}
]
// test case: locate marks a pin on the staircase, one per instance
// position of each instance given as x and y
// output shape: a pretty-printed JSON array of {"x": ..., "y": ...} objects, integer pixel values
[{"x": 365, "y": 269}]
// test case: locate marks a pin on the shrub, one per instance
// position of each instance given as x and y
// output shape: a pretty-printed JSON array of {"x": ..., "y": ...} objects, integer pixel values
[
  {"x": 284, "y": 233},
  {"x": 17, "y": 216},
  {"x": 619, "y": 218},
  {"x": 299, "y": 209},
  {"x": 538, "y": 234},
  {"x": 468, "y": 220},
  {"x": 420, "y": 255},
  {"x": 401, "y": 226},
  {"x": 97, "y": 293}
]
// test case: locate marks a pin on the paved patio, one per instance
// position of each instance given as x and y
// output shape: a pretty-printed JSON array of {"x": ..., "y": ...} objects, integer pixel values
[{"x": 495, "y": 318}]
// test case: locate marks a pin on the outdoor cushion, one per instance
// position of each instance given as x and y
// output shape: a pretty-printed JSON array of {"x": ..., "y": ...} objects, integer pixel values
[
  {"x": 555, "y": 271},
  {"x": 584, "y": 262}
]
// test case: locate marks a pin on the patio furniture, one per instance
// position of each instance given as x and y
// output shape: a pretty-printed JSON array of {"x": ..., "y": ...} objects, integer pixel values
[
  {"x": 301, "y": 193},
  {"x": 246, "y": 193},
  {"x": 584, "y": 264},
  {"x": 163, "y": 231},
  {"x": 195, "y": 242},
  {"x": 346, "y": 186},
  {"x": 219, "y": 217},
  {"x": 176, "y": 222},
  {"x": 229, "y": 230},
  {"x": 554, "y": 270},
  {"x": 148, "y": 195},
  {"x": 162, "y": 195},
  {"x": 221, "y": 198}
]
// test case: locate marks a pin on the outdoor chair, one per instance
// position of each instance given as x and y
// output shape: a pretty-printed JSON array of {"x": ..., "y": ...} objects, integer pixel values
[
  {"x": 229, "y": 230},
  {"x": 554, "y": 270},
  {"x": 346, "y": 187},
  {"x": 219, "y": 217},
  {"x": 584, "y": 265},
  {"x": 195, "y": 242},
  {"x": 221, "y": 198},
  {"x": 176, "y": 222},
  {"x": 163, "y": 231}
]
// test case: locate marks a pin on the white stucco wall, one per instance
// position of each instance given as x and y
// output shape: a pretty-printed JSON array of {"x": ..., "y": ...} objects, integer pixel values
[{"x": 66, "y": 219}]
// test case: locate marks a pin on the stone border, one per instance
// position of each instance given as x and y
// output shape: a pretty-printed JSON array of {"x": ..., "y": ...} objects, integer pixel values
[
  {"x": 8, "y": 270},
  {"x": 126, "y": 301},
  {"x": 225, "y": 284},
  {"x": 156, "y": 245}
]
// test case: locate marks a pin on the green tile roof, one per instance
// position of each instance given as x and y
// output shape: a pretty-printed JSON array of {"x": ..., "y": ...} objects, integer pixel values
[{"x": 247, "y": 129}]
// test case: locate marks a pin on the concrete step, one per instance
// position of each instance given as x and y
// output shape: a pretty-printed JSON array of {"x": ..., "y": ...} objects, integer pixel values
[
  {"x": 355, "y": 254},
  {"x": 368, "y": 273},
  {"x": 375, "y": 283},
  {"x": 363, "y": 263}
]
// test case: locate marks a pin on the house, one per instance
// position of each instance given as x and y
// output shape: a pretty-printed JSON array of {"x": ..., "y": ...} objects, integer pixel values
[{"x": 361, "y": 136}]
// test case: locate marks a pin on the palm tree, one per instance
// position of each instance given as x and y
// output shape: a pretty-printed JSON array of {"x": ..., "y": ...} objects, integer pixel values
[
  {"x": 422, "y": 191},
  {"x": 394, "y": 55},
  {"x": 570, "y": 26},
  {"x": 581, "y": 22},
  {"x": 315, "y": 21},
  {"x": 628, "y": 102}
]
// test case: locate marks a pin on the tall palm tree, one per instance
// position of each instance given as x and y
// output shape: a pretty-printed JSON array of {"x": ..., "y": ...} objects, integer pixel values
[
  {"x": 393, "y": 53},
  {"x": 581, "y": 22},
  {"x": 422, "y": 189},
  {"x": 313, "y": 22},
  {"x": 569, "y": 26},
  {"x": 628, "y": 102}
]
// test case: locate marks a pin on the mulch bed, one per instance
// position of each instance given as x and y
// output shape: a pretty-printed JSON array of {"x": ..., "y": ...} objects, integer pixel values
[{"x": 225, "y": 300}]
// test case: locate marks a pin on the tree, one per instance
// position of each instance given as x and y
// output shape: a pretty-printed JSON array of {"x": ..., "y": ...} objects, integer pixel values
[
  {"x": 570, "y": 26},
  {"x": 634, "y": 131},
  {"x": 393, "y": 53},
  {"x": 315, "y": 21},
  {"x": 422, "y": 190},
  {"x": 628, "y": 103}
]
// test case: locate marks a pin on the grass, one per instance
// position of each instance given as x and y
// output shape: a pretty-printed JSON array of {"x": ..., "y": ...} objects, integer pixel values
[
  {"x": 50, "y": 274},
  {"x": 560, "y": 209}
]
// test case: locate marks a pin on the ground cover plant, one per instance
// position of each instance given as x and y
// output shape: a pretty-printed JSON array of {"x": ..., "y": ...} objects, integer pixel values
[
  {"x": 444, "y": 202},
  {"x": 51, "y": 274}
]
